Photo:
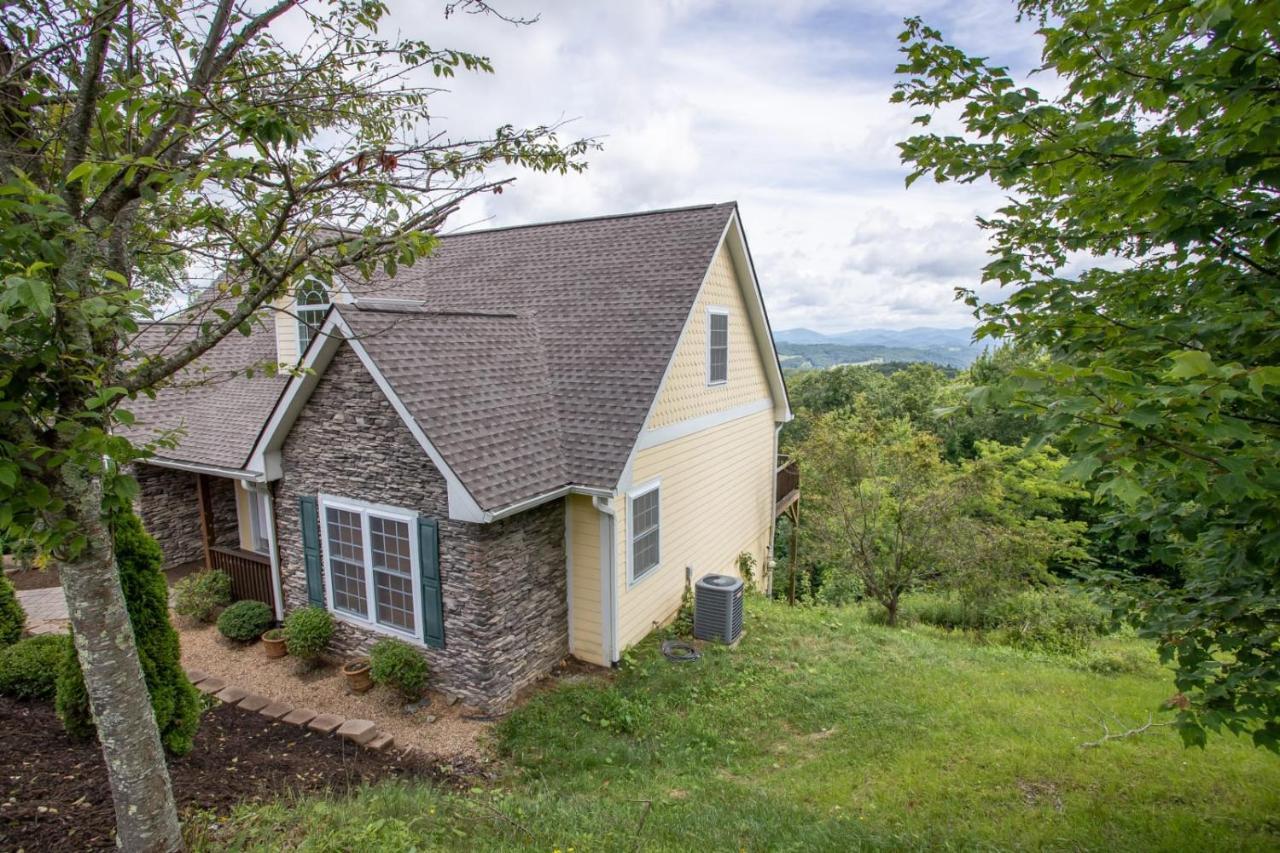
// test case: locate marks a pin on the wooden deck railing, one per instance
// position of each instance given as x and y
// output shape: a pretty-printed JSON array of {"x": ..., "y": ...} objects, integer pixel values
[
  {"x": 250, "y": 573},
  {"x": 788, "y": 484}
]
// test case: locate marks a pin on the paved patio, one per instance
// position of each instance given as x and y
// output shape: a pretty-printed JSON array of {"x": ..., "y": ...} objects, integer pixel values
[{"x": 46, "y": 610}]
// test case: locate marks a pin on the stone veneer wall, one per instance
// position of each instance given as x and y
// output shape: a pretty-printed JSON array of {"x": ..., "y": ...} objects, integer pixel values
[
  {"x": 503, "y": 584},
  {"x": 222, "y": 508},
  {"x": 170, "y": 512}
]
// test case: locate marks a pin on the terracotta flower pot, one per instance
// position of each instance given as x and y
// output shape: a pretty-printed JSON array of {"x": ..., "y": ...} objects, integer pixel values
[
  {"x": 357, "y": 675},
  {"x": 273, "y": 643}
]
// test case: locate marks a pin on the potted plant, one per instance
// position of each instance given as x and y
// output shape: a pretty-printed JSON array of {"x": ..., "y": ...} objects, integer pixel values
[
  {"x": 356, "y": 671},
  {"x": 273, "y": 643}
]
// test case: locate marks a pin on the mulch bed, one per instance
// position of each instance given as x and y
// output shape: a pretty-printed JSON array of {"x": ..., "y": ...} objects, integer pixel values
[{"x": 54, "y": 794}]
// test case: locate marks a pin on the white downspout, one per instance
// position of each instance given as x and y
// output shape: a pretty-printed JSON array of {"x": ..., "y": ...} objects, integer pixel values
[
  {"x": 274, "y": 548},
  {"x": 608, "y": 579}
]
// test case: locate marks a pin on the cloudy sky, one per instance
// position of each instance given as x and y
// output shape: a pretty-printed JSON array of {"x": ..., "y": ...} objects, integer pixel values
[{"x": 782, "y": 106}]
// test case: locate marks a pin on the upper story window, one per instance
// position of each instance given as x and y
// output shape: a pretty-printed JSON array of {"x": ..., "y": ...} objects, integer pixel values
[
  {"x": 717, "y": 346},
  {"x": 645, "y": 512},
  {"x": 312, "y": 301}
]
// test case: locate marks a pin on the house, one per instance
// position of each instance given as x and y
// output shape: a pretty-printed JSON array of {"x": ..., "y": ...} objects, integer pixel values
[{"x": 515, "y": 450}]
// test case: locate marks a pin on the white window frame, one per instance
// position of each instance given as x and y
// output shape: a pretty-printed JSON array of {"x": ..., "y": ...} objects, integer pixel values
[
  {"x": 301, "y": 312},
  {"x": 632, "y": 494},
  {"x": 364, "y": 509},
  {"x": 718, "y": 311},
  {"x": 255, "y": 504}
]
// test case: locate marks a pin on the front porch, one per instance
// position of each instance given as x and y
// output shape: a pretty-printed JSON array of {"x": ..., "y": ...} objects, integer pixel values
[{"x": 202, "y": 521}]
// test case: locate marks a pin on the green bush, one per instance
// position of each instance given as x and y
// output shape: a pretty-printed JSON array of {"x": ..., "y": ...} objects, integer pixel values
[
  {"x": 397, "y": 664},
  {"x": 307, "y": 632},
  {"x": 197, "y": 596},
  {"x": 12, "y": 619},
  {"x": 174, "y": 701},
  {"x": 245, "y": 621},
  {"x": 29, "y": 668}
]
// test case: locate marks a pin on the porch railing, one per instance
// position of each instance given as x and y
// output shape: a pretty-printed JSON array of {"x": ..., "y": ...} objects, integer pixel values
[
  {"x": 788, "y": 492},
  {"x": 250, "y": 573}
]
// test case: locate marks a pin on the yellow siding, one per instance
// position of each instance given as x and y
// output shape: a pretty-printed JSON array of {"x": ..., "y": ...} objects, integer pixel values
[
  {"x": 716, "y": 502},
  {"x": 242, "y": 518},
  {"x": 685, "y": 394},
  {"x": 287, "y": 327},
  {"x": 583, "y": 533}
]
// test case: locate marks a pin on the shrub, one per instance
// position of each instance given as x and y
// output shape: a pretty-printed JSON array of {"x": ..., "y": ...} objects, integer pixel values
[
  {"x": 174, "y": 701},
  {"x": 245, "y": 621},
  {"x": 12, "y": 619},
  {"x": 198, "y": 596},
  {"x": 399, "y": 665},
  {"x": 746, "y": 563},
  {"x": 29, "y": 668},
  {"x": 307, "y": 632},
  {"x": 1056, "y": 620}
]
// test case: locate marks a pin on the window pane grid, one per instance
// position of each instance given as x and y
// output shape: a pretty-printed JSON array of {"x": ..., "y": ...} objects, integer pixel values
[
  {"x": 718, "y": 348},
  {"x": 394, "y": 596},
  {"x": 371, "y": 563},
  {"x": 346, "y": 561},
  {"x": 645, "y": 518}
]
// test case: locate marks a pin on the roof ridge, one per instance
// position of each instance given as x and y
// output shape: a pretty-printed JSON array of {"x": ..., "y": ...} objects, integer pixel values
[{"x": 601, "y": 218}]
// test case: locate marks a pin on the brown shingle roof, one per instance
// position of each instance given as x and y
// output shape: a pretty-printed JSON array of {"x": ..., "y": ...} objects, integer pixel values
[
  {"x": 533, "y": 363},
  {"x": 218, "y": 407}
]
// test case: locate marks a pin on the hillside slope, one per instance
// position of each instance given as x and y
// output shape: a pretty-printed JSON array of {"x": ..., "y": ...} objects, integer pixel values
[{"x": 821, "y": 732}]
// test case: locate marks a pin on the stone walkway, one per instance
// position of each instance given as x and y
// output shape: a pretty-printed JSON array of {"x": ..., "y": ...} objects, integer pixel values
[{"x": 46, "y": 610}]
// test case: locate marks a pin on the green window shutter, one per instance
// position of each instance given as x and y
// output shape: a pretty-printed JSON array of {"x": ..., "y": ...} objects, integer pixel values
[
  {"x": 429, "y": 563},
  {"x": 309, "y": 516}
]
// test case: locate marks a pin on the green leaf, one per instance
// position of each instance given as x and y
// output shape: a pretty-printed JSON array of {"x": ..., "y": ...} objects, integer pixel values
[{"x": 1189, "y": 363}]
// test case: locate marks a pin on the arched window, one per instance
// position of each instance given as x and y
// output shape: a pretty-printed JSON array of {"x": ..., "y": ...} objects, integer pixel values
[{"x": 312, "y": 303}]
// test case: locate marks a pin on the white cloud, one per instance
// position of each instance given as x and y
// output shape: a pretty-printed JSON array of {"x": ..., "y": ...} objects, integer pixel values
[{"x": 782, "y": 106}]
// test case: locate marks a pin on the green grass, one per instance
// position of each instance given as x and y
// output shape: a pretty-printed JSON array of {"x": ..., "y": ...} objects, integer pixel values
[{"x": 824, "y": 732}]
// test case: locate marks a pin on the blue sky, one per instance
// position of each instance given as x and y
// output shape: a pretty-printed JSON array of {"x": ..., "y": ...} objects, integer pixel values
[{"x": 782, "y": 106}]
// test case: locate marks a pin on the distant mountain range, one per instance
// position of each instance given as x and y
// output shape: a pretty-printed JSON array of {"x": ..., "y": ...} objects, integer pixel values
[{"x": 805, "y": 348}]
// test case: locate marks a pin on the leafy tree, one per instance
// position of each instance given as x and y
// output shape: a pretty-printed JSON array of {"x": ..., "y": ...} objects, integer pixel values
[
  {"x": 174, "y": 701},
  {"x": 882, "y": 505},
  {"x": 1163, "y": 373},
  {"x": 143, "y": 145}
]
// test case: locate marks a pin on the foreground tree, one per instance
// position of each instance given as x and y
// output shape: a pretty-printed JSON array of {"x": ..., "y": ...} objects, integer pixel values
[
  {"x": 143, "y": 144},
  {"x": 1163, "y": 376},
  {"x": 175, "y": 703}
]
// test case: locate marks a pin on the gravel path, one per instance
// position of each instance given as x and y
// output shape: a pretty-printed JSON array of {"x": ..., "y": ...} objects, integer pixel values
[{"x": 324, "y": 690}]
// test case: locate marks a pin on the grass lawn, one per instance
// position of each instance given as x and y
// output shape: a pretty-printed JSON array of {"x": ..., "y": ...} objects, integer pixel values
[{"x": 822, "y": 732}]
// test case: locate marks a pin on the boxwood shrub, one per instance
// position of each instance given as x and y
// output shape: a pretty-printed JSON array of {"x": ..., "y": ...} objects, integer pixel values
[
  {"x": 12, "y": 618},
  {"x": 307, "y": 632},
  {"x": 399, "y": 665},
  {"x": 197, "y": 596},
  {"x": 29, "y": 668},
  {"x": 245, "y": 621}
]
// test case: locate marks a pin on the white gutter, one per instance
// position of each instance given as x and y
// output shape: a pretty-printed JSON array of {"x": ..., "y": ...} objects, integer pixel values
[
  {"x": 213, "y": 470},
  {"x": 529, "y": 503},
  {"x": 608, "y": 578}
]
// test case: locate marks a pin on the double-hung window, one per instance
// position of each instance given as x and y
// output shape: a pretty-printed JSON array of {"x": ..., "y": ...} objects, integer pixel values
[
  {"x": 717, "y": 346},
  {"x": 372, "y": 563},
  {"x": 311, "y": 302},
  {"x": 645, "y": 513}
]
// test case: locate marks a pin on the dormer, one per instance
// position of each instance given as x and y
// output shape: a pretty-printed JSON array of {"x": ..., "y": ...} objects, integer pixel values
[{"x": 301, "y": 314}]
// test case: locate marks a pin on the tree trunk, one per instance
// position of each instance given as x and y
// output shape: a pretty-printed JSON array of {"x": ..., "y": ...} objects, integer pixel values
[
  {"x": 146, "y": 818},
  {"x": 892, "y": 607}
]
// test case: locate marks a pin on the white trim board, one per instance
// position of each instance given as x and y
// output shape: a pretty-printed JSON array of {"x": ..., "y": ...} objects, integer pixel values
[
  {"x": 211, "y": 470},
  {"x": 662, "y": 435},
  {"x": 266, "y": 453},
  {"x": 754, "y": 301}
]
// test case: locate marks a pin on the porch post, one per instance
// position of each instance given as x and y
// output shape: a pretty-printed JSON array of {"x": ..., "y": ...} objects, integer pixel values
[{"x": 206, "y": 518}]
